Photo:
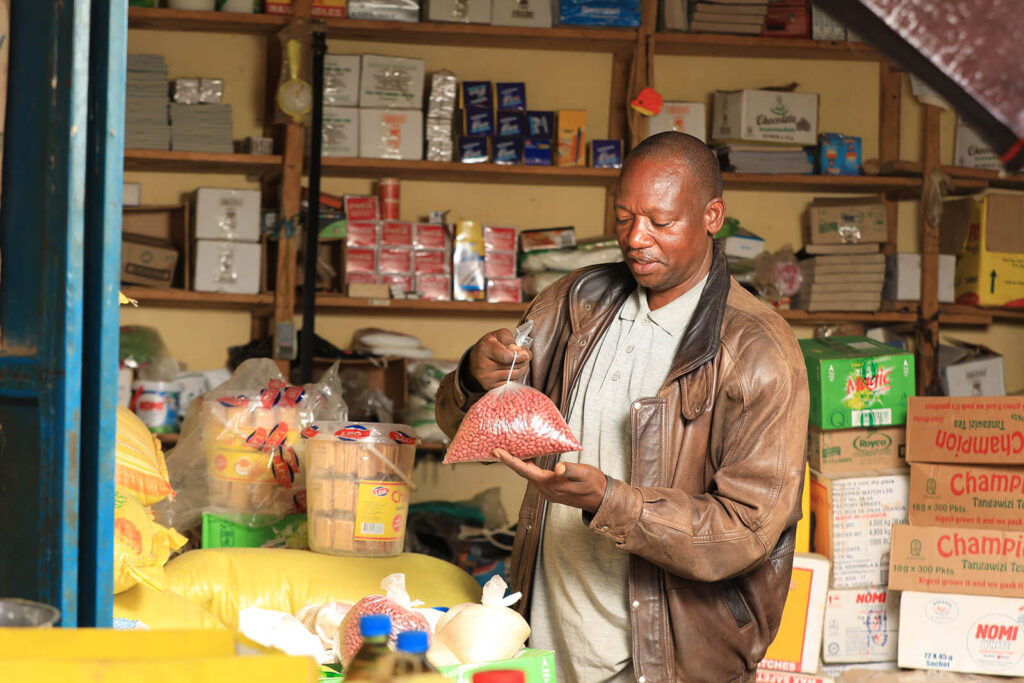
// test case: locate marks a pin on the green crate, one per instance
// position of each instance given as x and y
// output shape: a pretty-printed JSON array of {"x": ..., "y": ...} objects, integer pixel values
[
  {"x": 221, "y": 532},
  {"x": 538, "y": 665},
  {"x": 857, "y": 382}
]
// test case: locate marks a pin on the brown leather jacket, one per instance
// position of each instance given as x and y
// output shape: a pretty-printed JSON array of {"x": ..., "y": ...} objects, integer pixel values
[{"x": 710, "y": 512}]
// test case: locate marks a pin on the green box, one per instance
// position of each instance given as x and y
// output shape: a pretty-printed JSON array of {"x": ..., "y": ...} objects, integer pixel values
[
  {"x": 221, "y": 532},
  {"x": 857, "y": 382},
  {"x": 538, "y": 665}
]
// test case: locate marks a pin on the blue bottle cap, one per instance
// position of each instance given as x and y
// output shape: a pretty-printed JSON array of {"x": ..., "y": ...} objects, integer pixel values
[
  {"x": 373, "y": 625},
  {"x": 414, "y": 642}
]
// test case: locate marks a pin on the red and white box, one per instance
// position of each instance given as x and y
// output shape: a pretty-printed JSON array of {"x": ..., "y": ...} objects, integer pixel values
[
  {"x": 434, "y": 287},
  {"x": 499, "y": 264},
  {"x": 432, "y": 262},
  {"x": 509, "y": 289},
  {"x": 361, "y": 278},
  {"x": 395, "y": 234},
  {"x": 361, "y": 234},
  {"x": 360, "y": 260},
  {"x": 396, "y": 260},
  {"x": 361, "y": 208},
  {"x": 405, "y": 281},
  {"x": 499, "y": 239},
  {"x": 430, "y": 236}
]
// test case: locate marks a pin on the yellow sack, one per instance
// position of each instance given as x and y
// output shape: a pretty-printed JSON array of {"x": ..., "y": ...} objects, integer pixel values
[
  {"x": 141, "y": 546},
  {"x": 140, "y": 469},
  {"x": 162, "y": 610}
]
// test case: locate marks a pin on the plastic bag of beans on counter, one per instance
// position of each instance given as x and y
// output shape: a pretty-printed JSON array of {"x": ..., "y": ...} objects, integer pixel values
[
  {"x": 514, "y": 417},
  {"x": 396, "y": 603}
]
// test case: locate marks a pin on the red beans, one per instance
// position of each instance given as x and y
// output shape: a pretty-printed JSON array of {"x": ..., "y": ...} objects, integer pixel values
[
  {"x": 401, "y": 620},
  {"x": 515, "y": 417}
]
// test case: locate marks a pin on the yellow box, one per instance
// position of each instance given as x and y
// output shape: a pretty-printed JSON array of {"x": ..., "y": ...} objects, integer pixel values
[
  {"x": 803, "y": 527},
  {"x": 571, "y": 148},
  {"x": 334, "y": 9},
  {"x": 990, "y": 272},
  {"x": 798, "y": 641},
  {"x": 261, "y": 669},
  {"x": 107, "y": 644}
]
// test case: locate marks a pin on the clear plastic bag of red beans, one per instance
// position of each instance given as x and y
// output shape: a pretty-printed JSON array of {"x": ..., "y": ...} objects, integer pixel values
[{"x": 513, "y": 417}]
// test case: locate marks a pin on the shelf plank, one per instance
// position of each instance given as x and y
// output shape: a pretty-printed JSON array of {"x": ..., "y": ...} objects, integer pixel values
[
  {"x": 722, "y": 45},
  {"x": 819, "y": 183},
  {"x": 167, "y": 161},
  {"x": 180, "y": 298},
  {"x": 967, "y": 179},
  {"x": 159, "y": 19},
  {"x": 468, "y": 173},
  {"x": 800, "y": 317},
  {"x": 344, "y": 304}
]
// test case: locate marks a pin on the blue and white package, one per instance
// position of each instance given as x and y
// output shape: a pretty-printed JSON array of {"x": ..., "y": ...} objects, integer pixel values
[
  {"x": 511, "y": 123},
  {"x": 511, "y": 96},
  {"x": 606, "y": 153},
  {"x": 473, "y": 150},
  {"x": 477, "y": 94},
  {"x": 478, "y": 121},
  {"x": 507, "y": 150},
  {"x": 537, "y": 152},
  {"x": 540, "y": 124},
  {"x": 599, "y": 12}
]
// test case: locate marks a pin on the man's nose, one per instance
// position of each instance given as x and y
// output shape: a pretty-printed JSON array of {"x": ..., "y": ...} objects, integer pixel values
[{"x": 639, "y": 235}]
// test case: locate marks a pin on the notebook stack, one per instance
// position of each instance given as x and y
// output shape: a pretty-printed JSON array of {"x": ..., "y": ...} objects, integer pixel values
[
  {"x": 841, "y": 282},
  {"x": 146, "y": 103},
  {"x": 764, "y": 159},
  {"x": 201, "y": 128},
  {"x": 744, "y": 17}
]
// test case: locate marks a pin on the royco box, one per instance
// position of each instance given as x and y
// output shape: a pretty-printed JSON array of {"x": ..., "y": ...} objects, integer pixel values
[
  {"x": 846, "y": 221},
  {"x": 967, "y": 496},
  {"x": 964, "y": 633},
  {"x": 798, "y": 642},
  {"x": 857, "y": 382},
  {"x": 971, "y": 151},
  {"x": 769, "y": 676},
  {"x": 986, "y": 430},
  {"x": 990, "y": 226},
  {"x": 861, "y": 625},
  {"x": 851, "y": 451},
  {"x": 765, "y": 116},
  {"x": 852, "y": 520},
  {"x": 952, "y": 560}
]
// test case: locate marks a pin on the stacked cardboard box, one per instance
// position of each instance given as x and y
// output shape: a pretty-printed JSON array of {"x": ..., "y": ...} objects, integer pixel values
[
  {"x": 960, "y": 561},
  {"x": 500, "y": 264},
  {"x": 391, "y": 107},
  {"x": 777, "y": 124},
  {"x": 229, "y": 253}
]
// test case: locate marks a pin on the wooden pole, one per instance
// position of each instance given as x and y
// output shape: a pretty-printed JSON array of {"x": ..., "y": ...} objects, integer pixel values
[{"x": 928, "y": 330}]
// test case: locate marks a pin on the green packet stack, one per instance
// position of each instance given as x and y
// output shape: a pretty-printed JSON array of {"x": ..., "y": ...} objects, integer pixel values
[{"x": 538, "y": 665}]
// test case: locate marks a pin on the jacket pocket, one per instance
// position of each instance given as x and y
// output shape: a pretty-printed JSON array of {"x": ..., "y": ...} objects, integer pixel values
[{"x": 735, "y": 603}]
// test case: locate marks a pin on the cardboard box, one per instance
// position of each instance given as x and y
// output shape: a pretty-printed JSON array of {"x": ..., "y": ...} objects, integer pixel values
[
  {"x": 403, "y": 282},
  {"x": 472, "y": 150},
  {"x": 866, "y": 672},
  {"x": 148, "y": 262},
  {"x": 852, "y": 520},
  {"x": 510, "y": 96},
  {"x": 500, "y": 264},
  {"x": 798, "y": 642},
  {"x": 458, "y": 11},
  {"x": 375, "y": 10},
  {"x": 967, "y": 496},
  {"x": 606, "y": 153},
  {"x": 131, "y": 194},
  {"x": 341, "y": 80},
  {"x": 857, "y": 382},
  {"x": 225, "y": 266},
  {"x": 826, "y": 27},
  {"x": 861, "y": 625},
  {"x": 479, "y": 94},
  {"x": 547, "y": 238},
  {"x": 803, "y": 527},
  {"x": 535, "y": 13},
  {"x": 765, "y": 116},
  {"x": 504, "y": 290},
  {"x": 954, "y": 560},
  {"x": 541, "y": 124},
  {"x": 498, "y": 238},
  {"x": 391, "y": 83},
  {"x": 990, "y": 272},
  {"x": 430, "y": 236},
  {"x": 963, "y": 633},
  {"x": 321, "y": 8},
  {"x": 769, "y": 676},
  {"x": 538, "y": 665},
  {"x": 787, "y": 19},
  {"x": 362, "y": 234},
  {"x": 396, "y": 234},
  {"x": 853, "y": 451},
  {"x": 395, "y": 260},
  {"x": 972, "y": 431},
  {"x": 903, "y": 277},
  {"x": 846, "y": 221},
  {"x": 227, "y": 214},
  {"x": 970, "y": 370},
  {"x": 434, "y": 287},
  {"x": 511, "y": 123},
  {"x": 507, "y": 150},
  {"x": 674, "y": 16},
  {"x": 340, "y": 127},
  {"x": 361, "y": 207},
  {"x": 743, "y": 244},
  {"x": 477, "y": 121},
  {"x": 838, "y": 154},
  {"x": 221, "y": 532},
  {"x": 684, "y": 117},
  {"x": 390, "y": 134},
  {"x": 360, "y": 260},
  {"x": 599, "y": 12},
  {"x": 432, "y": 262},
  {"x": 367, "y": 290},
  {"x": 537, "y": 152},
  {"x": 971, "y": 151},
  {"x": 571, "y": 139}
]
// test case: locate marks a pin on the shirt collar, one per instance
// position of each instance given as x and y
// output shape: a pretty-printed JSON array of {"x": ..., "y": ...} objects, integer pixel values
[{"x": 671, "y": 318}]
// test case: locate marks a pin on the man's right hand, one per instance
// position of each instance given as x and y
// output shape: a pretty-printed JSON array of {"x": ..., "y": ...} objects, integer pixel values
[{"x": 492, "y": 356}]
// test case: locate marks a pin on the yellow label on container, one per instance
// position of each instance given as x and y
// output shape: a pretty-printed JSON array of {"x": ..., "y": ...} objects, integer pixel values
[
  {"x": 381, "y": 511},
  {"x": 246, "y": 465}
]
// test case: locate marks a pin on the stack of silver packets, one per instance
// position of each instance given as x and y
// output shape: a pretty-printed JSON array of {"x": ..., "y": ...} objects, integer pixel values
[{"x": 440, "y": 115}]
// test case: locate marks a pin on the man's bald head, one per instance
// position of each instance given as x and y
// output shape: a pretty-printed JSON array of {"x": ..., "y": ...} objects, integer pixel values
[{"x": 686, "y": 150}]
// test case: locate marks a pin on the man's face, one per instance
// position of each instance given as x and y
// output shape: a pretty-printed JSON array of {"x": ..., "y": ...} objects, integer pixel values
[{"x": 664, "y": 228}]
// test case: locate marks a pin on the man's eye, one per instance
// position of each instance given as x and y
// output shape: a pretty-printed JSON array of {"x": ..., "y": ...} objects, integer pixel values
[
  {"x": 620, "y": 219},
  {"x": 661, "y": 225}
]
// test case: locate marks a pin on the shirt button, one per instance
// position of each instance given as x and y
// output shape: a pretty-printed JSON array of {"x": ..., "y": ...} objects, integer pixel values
[
  {"x": 645, "y": 321},
  {"x": 635, "y": 605},
  {"x": 629, "y": 349},
  {"x": 637, "y": 405},
  {"x": 615, "y": 376},
  {"x": 604, "y": 527},
  {"x": 642, "y": 679}
]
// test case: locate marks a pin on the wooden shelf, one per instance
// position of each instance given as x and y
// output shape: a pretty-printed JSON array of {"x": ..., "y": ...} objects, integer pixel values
[
  {"x": 167, "y": 161},
  {"x": 468, "y": 173},
  {"x": 800, "y": 317},
  {"x": 180, "y": 298},
  {"x": 819, "y": 183},
  {"x": 966, "y": 179},
  {"x": 217, "y": 22},
  {"x": 722, "y": 45},
  {"x": 344, "y": 304}
]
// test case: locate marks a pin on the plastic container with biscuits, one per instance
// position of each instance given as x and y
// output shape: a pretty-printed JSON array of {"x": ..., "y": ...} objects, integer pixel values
[{"x": 357, "y": 486}]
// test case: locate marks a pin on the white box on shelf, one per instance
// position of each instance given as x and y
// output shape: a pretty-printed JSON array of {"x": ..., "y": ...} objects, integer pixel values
[
  {"x": 340, "y": 132},
  {"x": 765, "y": 116},
  {"x": 826, "y": 27},
  {"x": 227, "y": 214},
  {"x": 971, "y": 151},
  {"x": 341, "y": 80},
  {"x": 685, "y": 117},
  {"x": 390, "y": 134},
  {"x": 131, "y": 194},
  {"x": 535, "y": 13},
  {"x": 903, "y": 277},
  {"x": 458, "y": 11},
  {"x": 225, "y": 266},
  {"x": 391, "y": 82}
]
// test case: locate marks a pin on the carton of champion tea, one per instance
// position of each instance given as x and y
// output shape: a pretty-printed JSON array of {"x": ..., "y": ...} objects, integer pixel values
[
  {"x": 967, "y": 496},
  {"x": 978, "y": 430}
]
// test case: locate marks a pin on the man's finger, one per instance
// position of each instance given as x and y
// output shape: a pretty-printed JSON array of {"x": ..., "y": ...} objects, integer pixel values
[
  {"x": 570, "y": 471},
  {"x": 524, "y": 469}
]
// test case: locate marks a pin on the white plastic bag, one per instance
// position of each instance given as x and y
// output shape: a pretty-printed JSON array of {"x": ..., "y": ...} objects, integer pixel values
[{"x": 473, "y": 633}]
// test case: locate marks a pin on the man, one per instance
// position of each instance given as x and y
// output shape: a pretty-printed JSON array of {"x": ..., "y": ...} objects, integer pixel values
[{"x": 690, "y": 400}]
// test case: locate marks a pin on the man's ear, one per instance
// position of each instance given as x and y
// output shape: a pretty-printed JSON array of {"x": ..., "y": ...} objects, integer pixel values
[{"x": 714, "y": 215}]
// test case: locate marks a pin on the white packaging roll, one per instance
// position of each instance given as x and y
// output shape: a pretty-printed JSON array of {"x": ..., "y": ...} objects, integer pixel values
[{"x": 201, "y": 5}]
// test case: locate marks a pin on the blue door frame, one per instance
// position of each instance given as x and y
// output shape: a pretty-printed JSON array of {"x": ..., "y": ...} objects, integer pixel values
[{"x": 60, "y": 250}]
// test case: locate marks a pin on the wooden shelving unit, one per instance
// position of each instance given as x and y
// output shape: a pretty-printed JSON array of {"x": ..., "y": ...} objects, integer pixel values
[
  {"x": 716, "y": 45},
  {"x": 167, "y": 161},
  {"x": 180, "y": 298},
  {"x": 160, "y": 19},
  {"x": 336, "y": 303},
  {"x": 965, "y": 179},
  {"x": 355, "y": 167},
  {"x": 820, "y": 183}
]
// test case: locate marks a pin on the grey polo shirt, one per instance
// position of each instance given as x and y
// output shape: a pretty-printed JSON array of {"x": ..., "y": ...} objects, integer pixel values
[{"x": 580, "y": 599}]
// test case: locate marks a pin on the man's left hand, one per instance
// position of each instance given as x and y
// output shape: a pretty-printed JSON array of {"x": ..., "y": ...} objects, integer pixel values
[{"x": 579, "y": 486}]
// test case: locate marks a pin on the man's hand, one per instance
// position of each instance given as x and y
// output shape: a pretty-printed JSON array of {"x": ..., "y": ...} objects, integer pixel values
[
  {"x": 492, "y": 356},
  {"x": 579, "y": 486}
]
